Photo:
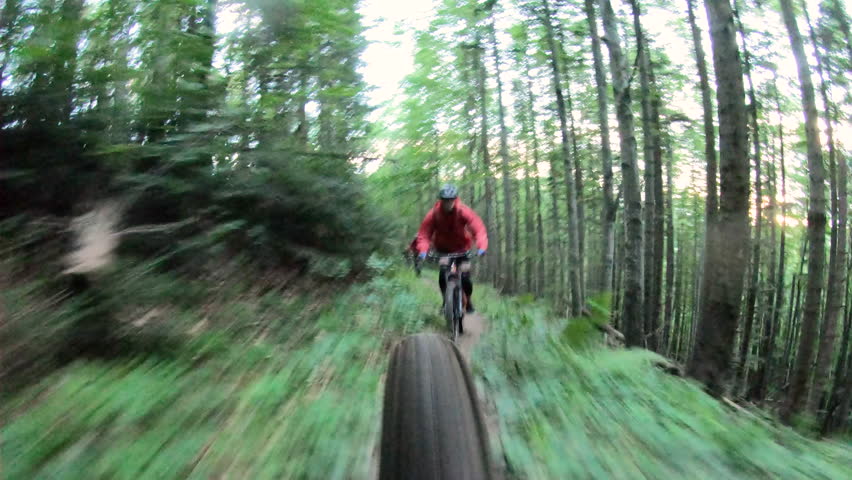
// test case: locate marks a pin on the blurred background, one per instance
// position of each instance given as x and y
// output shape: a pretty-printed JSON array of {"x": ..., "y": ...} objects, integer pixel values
[{"x": 206, "y": 205}]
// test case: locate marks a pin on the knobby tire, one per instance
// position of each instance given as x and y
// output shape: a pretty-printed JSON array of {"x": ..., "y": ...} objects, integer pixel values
[{"x": 432, "y": 427}]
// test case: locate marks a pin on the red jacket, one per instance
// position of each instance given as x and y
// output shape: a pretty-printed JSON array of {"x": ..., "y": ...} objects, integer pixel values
[{"x": 453, "y": 232}]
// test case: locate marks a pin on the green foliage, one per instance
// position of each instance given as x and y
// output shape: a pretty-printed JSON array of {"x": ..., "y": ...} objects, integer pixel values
[
  {"x": 294, "y": 393},
  {"x": 298, "y": 374},
  {"x": 566, "y": 412},
  {"x": 583, "y": 332},
  {"x": 250, "y": 136}
]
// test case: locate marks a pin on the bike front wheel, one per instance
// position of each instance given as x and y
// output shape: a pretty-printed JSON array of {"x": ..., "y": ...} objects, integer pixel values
[
  {"x": 432, "y": 427},
  {"x": 450, "y": 310}
]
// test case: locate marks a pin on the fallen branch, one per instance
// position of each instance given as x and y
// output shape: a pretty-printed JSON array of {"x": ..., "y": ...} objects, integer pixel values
[
  {"x": 736, "y": 407},
  {"x": 670, "y": 367},
  {"x": 155, "y": 228},
  {"x": 609, "y": 330}
]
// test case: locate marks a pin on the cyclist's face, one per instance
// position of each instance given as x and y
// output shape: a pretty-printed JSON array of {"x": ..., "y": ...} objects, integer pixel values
[{"x": 447, "y": 204}]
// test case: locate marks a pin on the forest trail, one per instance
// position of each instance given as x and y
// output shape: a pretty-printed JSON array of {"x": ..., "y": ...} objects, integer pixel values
[{"x": 475, "y": 325}]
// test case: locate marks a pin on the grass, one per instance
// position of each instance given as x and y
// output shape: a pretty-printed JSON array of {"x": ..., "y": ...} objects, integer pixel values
[
  {"x": 274, "y": 387},
  {"x": 260, "y": 384},
  {"x": 570, "y": 411}
]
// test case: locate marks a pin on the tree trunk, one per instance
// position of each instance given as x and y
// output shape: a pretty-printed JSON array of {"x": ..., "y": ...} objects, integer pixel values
[
  {"x": 751, "y": 295},
  {"x": 764, "y": 374},
  {"x": 677, "y": 315},
  {"x": 766, "y": 328},
  {"x": 515, "y": 254},
  {"x": 707, "y": 109},
  {"x": 838, "y": 410},
  {"x": 556, "y": 278},
  {"x": 711, "y": 200},
  {"x": 756, "y": 389},
  {"x": 578, "y": 170},
  {"x": 486, "y": 156},
  {"x": 539, "y": 253},
  {"x": 618, "y": 276},
  {"x": 794, "y": 314},
  {"x": 695, "y": 279},
  {"x": 789, "y": 332},
  {"x": 539, "y": 228},
  {"x": 799, "y": 388},
  {"x": 724, "y": 266},
  {"x": 659, "y": 211},
  {"x": 649, "y": 143},
  {"x": 604, "y": 279},
  {"x": 670, "y": 247},
  {"x": 633, "y": 288},
  {"x": 835, "y": 294},
  {"x": 510, "y": 284},
  {"x": 573, "y": 237},
  {"x": 578, "y": 188},
  {"x": 529, "y": 226}
]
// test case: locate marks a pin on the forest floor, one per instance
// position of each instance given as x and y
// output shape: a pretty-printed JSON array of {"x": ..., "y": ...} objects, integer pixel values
[{"x": 261, "y": 382}]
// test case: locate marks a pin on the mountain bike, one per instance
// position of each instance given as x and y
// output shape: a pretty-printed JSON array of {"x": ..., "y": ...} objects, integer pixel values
[{"x": 455, "y": 300}]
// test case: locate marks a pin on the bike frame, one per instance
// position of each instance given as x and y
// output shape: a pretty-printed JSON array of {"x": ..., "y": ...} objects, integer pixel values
[{"x": 455, "y": 313}]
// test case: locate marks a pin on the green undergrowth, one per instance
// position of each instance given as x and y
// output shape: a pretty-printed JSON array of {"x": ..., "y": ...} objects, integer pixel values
[
  {"x": 263, "y": 383},
  {"x": 568, "y": 409},
  {"x": 274, "y": 385}
]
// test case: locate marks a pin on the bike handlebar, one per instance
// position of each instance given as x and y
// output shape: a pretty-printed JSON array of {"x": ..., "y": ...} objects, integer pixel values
[{"x": 471, "y": 253}]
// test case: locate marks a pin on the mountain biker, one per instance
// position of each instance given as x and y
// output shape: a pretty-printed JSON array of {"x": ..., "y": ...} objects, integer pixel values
[{"x": 452, "y": 227}]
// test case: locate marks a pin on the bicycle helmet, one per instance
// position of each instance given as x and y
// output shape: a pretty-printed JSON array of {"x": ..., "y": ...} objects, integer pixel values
[{"x": 448, "y": 191}]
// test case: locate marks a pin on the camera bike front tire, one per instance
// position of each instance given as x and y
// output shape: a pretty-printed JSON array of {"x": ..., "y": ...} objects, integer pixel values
[{"x": 432, "y": 427}]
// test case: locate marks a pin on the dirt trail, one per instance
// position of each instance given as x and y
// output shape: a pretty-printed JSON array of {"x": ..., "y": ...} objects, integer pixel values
[{"x": 475, "y": 325}]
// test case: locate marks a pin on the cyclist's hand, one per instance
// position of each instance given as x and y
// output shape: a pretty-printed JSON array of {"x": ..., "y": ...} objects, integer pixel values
[
  {"x": 422, "y": 256},
  {"x": 480, "y": 252}
]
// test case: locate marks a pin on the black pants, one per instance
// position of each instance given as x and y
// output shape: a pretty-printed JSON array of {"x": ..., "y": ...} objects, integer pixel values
[{"x": 466, "y": 283}]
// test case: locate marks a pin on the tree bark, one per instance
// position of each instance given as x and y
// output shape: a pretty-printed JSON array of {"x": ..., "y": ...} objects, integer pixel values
[
  {"x": 764, "y": 374},
  {"x": 712, "y": 201},
  {"x": 659, "y": 210},
  {"x": 794, "y": 314},
  {"x": 649, "y": 143},
  {"x": 578, "y": 188},
  {"x": 633, "y": 285},
  {"x": 573, "y": 237},
  {"x": 486, "y": 156},
  {"x": 529, "y": 224},
  {"x": 751, "y": 295},
  {"x": 510, "y": 283},
  {"x": 835, "y": 294},
  {"x": 799, "y": 388},
  {"x": 841, "y": 400},
  {"x": 578, "y": 169},
  {"x": 604, "y": 278},
  {"x": 539, "y": 253},
  {"x": 724, "y": 266},
  {"x": 756, "y": 389},
  {"x": 670, "y": 247}
]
